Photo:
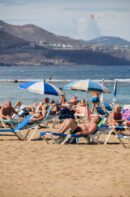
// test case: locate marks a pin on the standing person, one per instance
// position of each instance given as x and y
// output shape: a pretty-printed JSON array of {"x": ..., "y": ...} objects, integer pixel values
[{"x": 95, "y": 100}]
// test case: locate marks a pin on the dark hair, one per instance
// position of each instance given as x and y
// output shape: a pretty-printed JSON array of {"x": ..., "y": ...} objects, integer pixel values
[{"x": 53, "y": 101}]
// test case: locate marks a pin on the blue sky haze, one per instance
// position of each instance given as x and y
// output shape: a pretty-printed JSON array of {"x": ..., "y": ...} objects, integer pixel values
[{"x": 80, "y": 19}]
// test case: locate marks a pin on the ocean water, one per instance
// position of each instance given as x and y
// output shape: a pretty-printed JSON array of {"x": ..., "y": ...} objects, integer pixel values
[{"x": 11, "y": 90}]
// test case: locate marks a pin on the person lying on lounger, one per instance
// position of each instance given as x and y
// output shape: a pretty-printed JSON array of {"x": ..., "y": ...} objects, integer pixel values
[{"x": 84, "y": 128}]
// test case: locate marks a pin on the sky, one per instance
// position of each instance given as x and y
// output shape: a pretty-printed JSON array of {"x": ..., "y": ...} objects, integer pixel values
[{"x": 78, "y": 19}]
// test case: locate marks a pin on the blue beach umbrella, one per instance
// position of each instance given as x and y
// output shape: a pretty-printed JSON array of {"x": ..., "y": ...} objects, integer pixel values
[
  {"x": 87, "y": 85},
  {"x": 42, "y": 87}
]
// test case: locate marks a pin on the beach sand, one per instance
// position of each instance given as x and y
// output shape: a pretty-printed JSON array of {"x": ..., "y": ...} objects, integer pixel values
[{"x": 36, "y": 169}]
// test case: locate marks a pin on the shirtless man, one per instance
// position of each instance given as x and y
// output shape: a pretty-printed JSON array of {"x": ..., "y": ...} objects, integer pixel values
[
  {"x": 84, "y": 128},
  {"x": 6, "y": 112}
]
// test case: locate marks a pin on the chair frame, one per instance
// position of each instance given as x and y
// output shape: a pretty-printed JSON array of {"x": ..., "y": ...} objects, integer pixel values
[{"x": 21, "y": 126}]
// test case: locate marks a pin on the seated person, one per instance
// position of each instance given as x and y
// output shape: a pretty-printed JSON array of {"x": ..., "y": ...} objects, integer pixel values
[
  {"x": 84, "y": 128},
  {"x": 83, "y": 109},
  {"x": 46, "y": 100},
  {"x": 62, "y": 100},
  {"x": 21, "y": 109},
  {"x": 55, "y": 108},
  {"x": 6, "y": 112},
  {"x": 73, "y": 100},
  {"x": 40, "y": 114},
  {"x": 115, "y": 117}
]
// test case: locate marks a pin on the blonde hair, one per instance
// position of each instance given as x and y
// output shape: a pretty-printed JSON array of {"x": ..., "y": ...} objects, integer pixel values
[{"x": 117, "y": 106}]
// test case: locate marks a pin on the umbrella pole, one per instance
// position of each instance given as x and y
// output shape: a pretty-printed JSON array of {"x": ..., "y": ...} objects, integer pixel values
[
  {"x": 114, "y": 100},
  {"x": 102, "y": 95}
]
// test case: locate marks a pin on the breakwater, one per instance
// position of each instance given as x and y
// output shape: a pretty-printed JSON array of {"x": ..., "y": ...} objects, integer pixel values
[{"x": 62, "y": 81}]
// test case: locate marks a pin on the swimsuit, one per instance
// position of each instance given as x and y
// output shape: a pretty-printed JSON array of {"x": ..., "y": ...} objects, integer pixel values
[{"x": 95, "y": 99}]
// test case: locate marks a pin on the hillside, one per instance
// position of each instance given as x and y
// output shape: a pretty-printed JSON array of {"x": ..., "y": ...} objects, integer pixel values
[
  {"x": 9, "y": 40},
  {"x": 36, "y": 34},
  {"x": 21, "y": 45},
  {"x": 109, "y": 41},
  {"x": 42, "y": 56}
]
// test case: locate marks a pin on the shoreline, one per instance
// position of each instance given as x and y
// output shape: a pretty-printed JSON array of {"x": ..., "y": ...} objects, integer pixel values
[{"x": 63, "y": 80}]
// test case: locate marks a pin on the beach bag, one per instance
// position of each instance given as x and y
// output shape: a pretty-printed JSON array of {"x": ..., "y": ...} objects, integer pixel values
[{"x": 66, "y": 113}]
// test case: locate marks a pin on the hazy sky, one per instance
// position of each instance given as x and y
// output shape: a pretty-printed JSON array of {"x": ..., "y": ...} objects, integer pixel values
[{"x": 80, "y": 19}]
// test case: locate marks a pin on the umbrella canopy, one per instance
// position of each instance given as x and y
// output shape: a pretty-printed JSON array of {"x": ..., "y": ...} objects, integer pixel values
[
  {"x": 42, "y": 88},
  {"x": 87, "y": 85}
]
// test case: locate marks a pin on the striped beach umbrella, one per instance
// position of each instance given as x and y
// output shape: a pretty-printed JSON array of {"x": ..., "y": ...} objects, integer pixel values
[
  {"x": 87, "y": 85},
  {"x": 42, "y": 87}
]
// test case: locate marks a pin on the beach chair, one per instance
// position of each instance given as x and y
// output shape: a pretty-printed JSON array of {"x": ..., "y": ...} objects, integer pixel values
[
  {"x": 48, "y": 118},
  {"x": 101, "y": 111},
  {"x": 121, "y": 138},
  {"x": 12, "y": 122},
  {"x": 63, "y": 137},
  {"x": 21, "y": 126},
  {"x": 108, "y": 107},
  {"x": 116, "y": 129}
]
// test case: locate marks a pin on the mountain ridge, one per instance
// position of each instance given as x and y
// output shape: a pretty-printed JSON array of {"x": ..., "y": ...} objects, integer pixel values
[
  {"x": 30, "y": 32},
  {"x": 30, "y": 44},
  {"x": 109, "y": 41}
]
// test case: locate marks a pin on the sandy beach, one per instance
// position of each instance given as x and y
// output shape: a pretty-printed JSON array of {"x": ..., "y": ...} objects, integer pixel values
[{"x": 82, "y": 170}]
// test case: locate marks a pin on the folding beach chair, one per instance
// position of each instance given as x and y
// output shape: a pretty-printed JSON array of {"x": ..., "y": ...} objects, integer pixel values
[{"x": 17, "y": 130}]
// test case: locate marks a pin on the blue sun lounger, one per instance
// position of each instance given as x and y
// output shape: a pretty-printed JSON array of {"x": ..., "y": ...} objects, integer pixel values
[
  {"x": 67, "y": 137},
  {"x": 18, "y": 128},
  {"x": 12, "y": 122},
  {"x": 64, "y": 137}
]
